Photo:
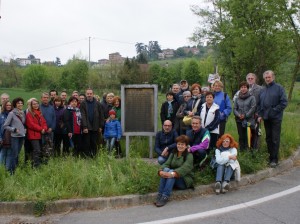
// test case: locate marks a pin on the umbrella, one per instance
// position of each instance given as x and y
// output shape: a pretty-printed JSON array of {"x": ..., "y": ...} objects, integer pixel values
[{"x": 249, "y": 134}]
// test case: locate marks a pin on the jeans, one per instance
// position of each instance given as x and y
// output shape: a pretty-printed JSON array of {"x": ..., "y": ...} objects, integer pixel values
[
  {"x": 5, "y": 155},
  {"x": 110, "y": 144},
  {"x": 224, "y": 171},
  {"x": 166, "y": 184},
  {"x": 161, "y": 160},
  {"x": 16, "y": 145}
]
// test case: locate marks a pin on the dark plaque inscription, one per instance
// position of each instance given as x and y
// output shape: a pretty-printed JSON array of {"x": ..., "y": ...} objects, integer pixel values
[{"x": 139, "y": 109}]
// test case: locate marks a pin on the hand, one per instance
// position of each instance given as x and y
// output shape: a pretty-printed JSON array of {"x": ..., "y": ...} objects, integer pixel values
[
  {"x": 70, "y": 135},
  {"x": 49, "y": 130},
  {"x": 165, "y": 152},
  {"x": 85, "y": 130},
  {"x": 100, "y": 130},
  {"x": 190, "y": 113},
  {"x": 233, "y": 157},
  {"x": 242, "y": 116},
  {"x": 259, "y": 119},
  {"x": 43, "y": 131}
]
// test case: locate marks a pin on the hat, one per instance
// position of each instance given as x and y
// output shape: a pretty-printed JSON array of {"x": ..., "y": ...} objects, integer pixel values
[
  {"x": 112, "y": 112},
  {"x": 183, "y": 81}
]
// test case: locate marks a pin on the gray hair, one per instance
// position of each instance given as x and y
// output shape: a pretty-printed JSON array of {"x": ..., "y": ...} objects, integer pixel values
[
  {"x": 269, "y": 72},
  {"x": 187, "y": 93}
]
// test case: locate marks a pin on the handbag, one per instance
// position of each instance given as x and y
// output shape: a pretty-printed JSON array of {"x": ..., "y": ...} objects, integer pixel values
[
  {"x": 187, "y": 120},
  {"x": 6, "y": 139}
]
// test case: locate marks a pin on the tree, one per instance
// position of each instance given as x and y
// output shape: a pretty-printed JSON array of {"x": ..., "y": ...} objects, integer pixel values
[
  {"x": 191, "y": 72},
  {"x": 57, "y": 62},
  {"x": 34, "y": 77}
]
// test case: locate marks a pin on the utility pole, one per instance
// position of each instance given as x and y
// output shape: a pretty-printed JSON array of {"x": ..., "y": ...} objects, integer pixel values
[{"x": 89, "y": 51}]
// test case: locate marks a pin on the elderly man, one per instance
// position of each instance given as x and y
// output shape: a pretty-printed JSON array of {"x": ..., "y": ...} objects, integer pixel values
[
  {"x": 4, "y": 98},
  {"x": 92, "y": 122},
  {"x": 165, "y": 142},
  {"x": 272, "y": 102},
  {"x": 199, "y": 141},
  {"x": 254, "y": 90}
]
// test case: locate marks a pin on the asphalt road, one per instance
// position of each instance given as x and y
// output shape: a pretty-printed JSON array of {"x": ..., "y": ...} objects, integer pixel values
[{"x": 273, "y": 200}]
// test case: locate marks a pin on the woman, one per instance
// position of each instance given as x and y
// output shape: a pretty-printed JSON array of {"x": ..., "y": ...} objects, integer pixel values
[
  {"x": 176, "y": 171},
  {"x": 36, "y": 127},
  {"x": 117, "y": 107},
  {"x": 15, "y": 124},
  {"x": 5, "y": 138},
  {"x": 226, "y": 159},
  {"x": 244, "y": 111},
  {"x": 223, "y": 101},
  {"x": 195, "y": 103},
  {"x": 210, "y": 118},
  {"x": 72, "y": 121},
  {"x": 180, "y": 113},
  {"x": 60, "y": 134},
  {"x": 169, "y": 108}
]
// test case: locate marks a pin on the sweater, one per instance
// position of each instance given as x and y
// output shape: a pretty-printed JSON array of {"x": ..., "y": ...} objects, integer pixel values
[{"x": 182, "y": 166}]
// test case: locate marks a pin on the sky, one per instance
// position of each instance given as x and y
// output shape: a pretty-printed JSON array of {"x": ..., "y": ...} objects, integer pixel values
[{"x": 61, "y": 28}]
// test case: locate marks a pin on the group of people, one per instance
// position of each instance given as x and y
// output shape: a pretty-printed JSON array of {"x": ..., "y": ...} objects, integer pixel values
[
  {"x": 53, "y": 125},
  {"x": 208, "y": 112}
]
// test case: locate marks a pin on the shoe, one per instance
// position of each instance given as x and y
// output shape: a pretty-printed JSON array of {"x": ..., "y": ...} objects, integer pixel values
[
  {"x": 158, "y": 197},
  {"x": 218, "y": 187},
  {"x": 225, "y": 187},
  {"x": 162, "y": 201},
  {"x": 273, "y": 164}
]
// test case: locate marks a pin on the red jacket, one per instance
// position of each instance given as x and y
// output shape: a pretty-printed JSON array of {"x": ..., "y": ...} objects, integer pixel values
[{"x": 35, "y": 124}]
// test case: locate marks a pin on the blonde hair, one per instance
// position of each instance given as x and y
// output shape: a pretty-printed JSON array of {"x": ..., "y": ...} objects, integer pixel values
[{"x": 219, "y": 83}]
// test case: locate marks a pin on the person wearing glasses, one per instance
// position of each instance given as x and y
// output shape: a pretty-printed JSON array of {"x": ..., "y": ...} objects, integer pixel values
[
  {"x": 181, "y": 129},
  {"x": 165, "y": 142},
  {"x": 226, "y": 160}
]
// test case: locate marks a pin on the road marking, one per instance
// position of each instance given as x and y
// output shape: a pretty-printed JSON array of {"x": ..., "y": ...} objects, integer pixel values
[{"x": 185, "y": 218}]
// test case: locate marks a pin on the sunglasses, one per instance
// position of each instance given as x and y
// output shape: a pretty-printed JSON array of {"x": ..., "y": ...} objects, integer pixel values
[{"x": 226, "y": 141}]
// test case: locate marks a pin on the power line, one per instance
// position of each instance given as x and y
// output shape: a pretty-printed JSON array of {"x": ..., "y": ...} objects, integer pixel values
[
  {"x": 55, "y": 46},
  {"x": 117, "y": 41}
]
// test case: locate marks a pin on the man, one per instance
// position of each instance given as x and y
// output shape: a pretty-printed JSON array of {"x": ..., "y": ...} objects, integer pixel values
[
  {"x": 184, "y": 86},
  {"x": 165, "y": 142},
  {"x": 4, "y": 98},
  {"x": 176, "y": 90},
  {"x": 53, "y": 93},
  {"x": 75, "y": 93},
  {"x": 64, "y": 96},
  {"x": 254, "y": 90},
  {"x": 92, "y": 122},
  {"x": 81, "y": 97},
  {"x": 50, "y": 117},
  {"x": 272, "y": 102},
  {"x": 199, "y": 141}
]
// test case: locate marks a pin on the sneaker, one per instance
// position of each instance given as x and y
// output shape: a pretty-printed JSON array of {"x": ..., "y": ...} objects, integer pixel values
[
  {"x": 158, "y": 197},
  {"x": 218, "y": 187},
  {"x": 162, "y": 201},
  {"x": 273, "y": 164},
  {"x": 225, "y": 187}
]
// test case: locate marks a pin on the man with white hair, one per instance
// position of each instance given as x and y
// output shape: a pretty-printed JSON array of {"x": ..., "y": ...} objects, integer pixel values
[
  {"x": 272, "y": 102},
  {"x": 4, "y": 98}
]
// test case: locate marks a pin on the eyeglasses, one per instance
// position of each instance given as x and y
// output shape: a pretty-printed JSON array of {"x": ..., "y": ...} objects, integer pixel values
[{"x": 226, "y": 140}]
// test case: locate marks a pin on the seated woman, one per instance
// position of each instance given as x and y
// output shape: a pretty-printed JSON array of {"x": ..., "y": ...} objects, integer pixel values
[
  {"x": 226, "y": 159},
  {"x": 176, "y": 171}
]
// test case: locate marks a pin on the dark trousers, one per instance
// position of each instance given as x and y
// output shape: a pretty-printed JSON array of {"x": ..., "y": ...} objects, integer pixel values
[
  {"x": 58, "y": 139},
  {"x": 78, "y": 147},
  {"x": 90, "y": 141},
  {"x": 36, "y": 147},
  {"x": 222, "y": 127},
  {"x": 273, "y": 130},
  {"x": 243, "y": 142},
  {"x": 213, "y": 140}
]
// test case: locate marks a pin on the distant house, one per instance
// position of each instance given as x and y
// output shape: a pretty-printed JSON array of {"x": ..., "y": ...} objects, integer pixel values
[
  {"x": 26, "y": 61},
  {"x": 168, "y": 53},
  {"x": 193, "y": 50},
  {"x": 116, "y": 58},
  {"x": 103, "y": 61}
]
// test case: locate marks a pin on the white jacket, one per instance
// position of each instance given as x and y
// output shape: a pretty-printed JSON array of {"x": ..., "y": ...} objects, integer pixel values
[{"x": 210, "y": 116}]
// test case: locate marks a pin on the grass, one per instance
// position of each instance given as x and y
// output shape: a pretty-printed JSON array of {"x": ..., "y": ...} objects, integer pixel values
[{"x": 64, "y": 178}]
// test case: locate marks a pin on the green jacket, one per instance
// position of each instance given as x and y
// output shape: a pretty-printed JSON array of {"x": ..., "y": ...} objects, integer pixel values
[{"x": 183, "y": 167}]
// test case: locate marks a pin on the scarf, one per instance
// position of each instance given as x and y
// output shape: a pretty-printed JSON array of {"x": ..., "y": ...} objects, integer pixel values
[
  {"x": 223, "y": 149},
  {"x": 77, "y": 113},
  {"x": 244, "y": 96},
  {"x": 19, "y": 113},
  {"x": 170, "y": 109}
]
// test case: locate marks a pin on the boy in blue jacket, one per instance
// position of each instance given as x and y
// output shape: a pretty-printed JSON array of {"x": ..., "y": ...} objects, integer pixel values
[{"x": 112, "y": 131}]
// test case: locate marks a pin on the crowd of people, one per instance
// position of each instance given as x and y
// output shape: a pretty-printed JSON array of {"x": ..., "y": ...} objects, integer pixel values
[
  {"x": 193, "y": 125},
  {"x": 199, "y": 115},
  {"x": 54, "y": 125}
]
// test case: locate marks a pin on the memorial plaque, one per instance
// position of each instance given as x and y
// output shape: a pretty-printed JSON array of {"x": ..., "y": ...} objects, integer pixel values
[{"x": 139, "y": 110}]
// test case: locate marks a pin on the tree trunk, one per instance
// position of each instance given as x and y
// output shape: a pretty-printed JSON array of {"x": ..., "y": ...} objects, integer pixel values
[{"x": 295, "y": 73}]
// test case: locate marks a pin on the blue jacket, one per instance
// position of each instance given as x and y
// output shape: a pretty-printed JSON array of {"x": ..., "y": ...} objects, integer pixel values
[
  {"x": 49, "y": 115},
  {"x": 224, "y": 104},
  {"x": 163, "y": 140},
  {"x": 272, "y": 102},
  {"x": 3, "y": 117},
  {"x": 113, "y": 129}
]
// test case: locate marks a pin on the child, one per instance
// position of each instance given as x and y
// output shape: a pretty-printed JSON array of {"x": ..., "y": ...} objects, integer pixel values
[{"x": 112, "y": 131}]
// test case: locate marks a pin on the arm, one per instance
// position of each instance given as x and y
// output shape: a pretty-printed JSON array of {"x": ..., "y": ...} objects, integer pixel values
[
  {"x": 282, "y": 101},
  {"x": 204, "y": 144},
  {"x": 157, "y": 144},
  {"x": 186, "y": 167},
  {"x": 219, "y": 159},
  {"x": 228, "y": 107},
  {"x": 251, "y": 112},
  {"x": 173, "y": 145},
  {"x": 6, "y": 125},
  {"x": 119, "y": 130}
]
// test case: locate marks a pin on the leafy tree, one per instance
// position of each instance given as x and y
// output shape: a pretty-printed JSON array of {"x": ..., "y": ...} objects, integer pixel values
[
  {"x": 154, "y": 72},
  {"x": 191, "y": 72},
  {"x": 34, "y": 77},
  {"x": 180, "y": 52}
]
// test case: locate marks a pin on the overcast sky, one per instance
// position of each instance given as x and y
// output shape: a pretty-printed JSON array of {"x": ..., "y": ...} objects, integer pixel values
[{"x": 61, "y": 28}]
